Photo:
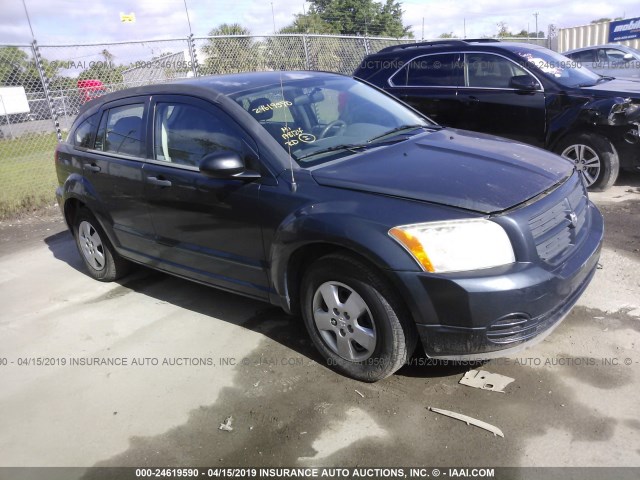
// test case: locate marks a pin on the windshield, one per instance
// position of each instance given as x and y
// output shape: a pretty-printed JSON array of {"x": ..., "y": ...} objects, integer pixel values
[
  {"x": 318, "y": 120},
  {"x": 562, "y": 69}
]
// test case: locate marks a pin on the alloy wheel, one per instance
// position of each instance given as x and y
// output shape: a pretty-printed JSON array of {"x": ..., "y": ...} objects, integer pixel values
[
  {"x": 586, "y": 161},
  {"x": 344, "y": 321},
  {"x": 91, "y": 245}
]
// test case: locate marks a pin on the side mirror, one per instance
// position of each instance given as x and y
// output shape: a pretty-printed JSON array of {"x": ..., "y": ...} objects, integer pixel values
[
  {"x": 524, "y": 82},
  {"x": 225, "y": 164},
  {"x": 628, "y": 57}
]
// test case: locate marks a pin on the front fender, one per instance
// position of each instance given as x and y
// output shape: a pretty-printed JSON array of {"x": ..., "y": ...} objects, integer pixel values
[
  {"x": 331, "y": 224},
  {"x": 589, "y": 114}
]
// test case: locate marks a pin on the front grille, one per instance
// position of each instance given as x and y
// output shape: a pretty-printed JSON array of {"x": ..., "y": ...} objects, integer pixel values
[{"x": 556, "y": 229}]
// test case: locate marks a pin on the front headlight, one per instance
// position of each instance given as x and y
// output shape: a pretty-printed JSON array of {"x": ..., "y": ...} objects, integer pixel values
[{"x": 456, "y": 245}]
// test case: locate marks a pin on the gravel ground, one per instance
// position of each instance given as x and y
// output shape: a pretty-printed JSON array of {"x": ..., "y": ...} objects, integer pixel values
[{"x": 573, "y": 401}]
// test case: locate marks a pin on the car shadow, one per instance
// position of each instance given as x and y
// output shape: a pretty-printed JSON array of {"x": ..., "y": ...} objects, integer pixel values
[
  {"x": 63, "y": 247},
  {"x": 628, "y": 179},
  {"x": 229, "y": 307}
]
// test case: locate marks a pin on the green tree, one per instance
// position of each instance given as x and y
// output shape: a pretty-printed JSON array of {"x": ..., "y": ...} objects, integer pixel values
[
  {"x": 352, "y": 17},
  {"x": 230, "y": 55},
  {"x": 229, "y": 29},
  {"x": 13, "y": 65},
  {"x": 503, "y": 30},
  {"x": 605, "y": 19},
  {"x": 446, "y": 35},
  {"x": 18, "y": 69},
  {"x": 108, "y": 56},
  {"x": 310, "y": 23},
  {"x": 108, "y": 74}
]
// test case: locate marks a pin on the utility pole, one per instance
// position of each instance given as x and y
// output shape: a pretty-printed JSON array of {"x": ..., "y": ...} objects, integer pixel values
[
  {"x": 464, "y": 28},
  {"x": 304, "y": 15},
  {"x": 26, "y": 12},
  {"x": 536, "y": 15},
  {"x": 186, "y": 10},
  {"x": 423, "y": 29},
  {"x": 273, "y": 17}
]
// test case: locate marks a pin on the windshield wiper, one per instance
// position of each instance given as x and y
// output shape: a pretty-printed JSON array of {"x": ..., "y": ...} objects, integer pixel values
[
  {"x": 353, "y": 148},
  {"x": 372, "y": 142},
  {"x": 601, "y": 79},
  {"x": 401, "y": 128}
]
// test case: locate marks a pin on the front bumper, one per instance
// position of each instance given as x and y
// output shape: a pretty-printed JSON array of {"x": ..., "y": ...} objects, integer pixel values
[{"x": 502, "y": 310}]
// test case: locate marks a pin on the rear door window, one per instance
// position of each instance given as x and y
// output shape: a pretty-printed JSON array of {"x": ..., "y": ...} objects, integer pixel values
[
  {"x": 431, "y": 71},
  {"x": 83, "y": 135},
  {"x": 122, "y": 131}
]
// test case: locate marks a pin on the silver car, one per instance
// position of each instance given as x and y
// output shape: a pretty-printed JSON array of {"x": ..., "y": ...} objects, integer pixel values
[{"x": 609, "y": 60}]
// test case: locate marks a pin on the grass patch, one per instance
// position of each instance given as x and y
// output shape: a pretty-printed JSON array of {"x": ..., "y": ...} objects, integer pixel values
[{"x": 27, "y": 173}]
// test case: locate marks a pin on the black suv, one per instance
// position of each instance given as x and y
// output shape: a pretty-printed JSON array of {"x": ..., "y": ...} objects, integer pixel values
[
  {"x": 519, "y": 91},
  {"x": 329, "y": 198}
]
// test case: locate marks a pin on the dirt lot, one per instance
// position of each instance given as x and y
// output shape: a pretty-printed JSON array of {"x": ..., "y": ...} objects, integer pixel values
[{"x": 574, "y": 400}]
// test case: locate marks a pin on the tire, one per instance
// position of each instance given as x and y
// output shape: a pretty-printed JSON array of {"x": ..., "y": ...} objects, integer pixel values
[
  {"x": 100, "y": 258},
  {"x": 355, "y": 319},
  {"x": 594, "y": 156}
]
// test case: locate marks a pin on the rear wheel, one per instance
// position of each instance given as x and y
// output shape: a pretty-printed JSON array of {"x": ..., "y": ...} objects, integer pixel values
[
  {"x": 355, "y": 319},
  {"x": 102, "y": 261},
  {"x": 594, "y": 157}
]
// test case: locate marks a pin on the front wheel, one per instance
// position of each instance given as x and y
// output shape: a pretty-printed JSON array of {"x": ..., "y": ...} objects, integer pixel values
[
  {"x": 595, "y": 158},
  {"x": 354, "y": 318}
]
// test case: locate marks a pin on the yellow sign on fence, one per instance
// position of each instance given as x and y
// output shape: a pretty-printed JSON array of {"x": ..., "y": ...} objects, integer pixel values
[{"x": 127, "y": 17}]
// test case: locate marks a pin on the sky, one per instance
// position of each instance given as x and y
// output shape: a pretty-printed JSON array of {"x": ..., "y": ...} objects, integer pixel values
[{"x": 98, "y": 21}]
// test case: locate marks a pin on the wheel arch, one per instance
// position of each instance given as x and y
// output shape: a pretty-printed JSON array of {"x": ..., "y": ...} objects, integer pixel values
[
  {"x": 78, "y": 193},
  {"x": 605, "y": 150},
  {"x": 304, "y": 256},
  {"x": 71, "y": 207}
]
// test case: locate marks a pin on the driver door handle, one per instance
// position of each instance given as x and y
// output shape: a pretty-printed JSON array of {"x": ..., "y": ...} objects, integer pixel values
[{"x": 158, "y": 181}]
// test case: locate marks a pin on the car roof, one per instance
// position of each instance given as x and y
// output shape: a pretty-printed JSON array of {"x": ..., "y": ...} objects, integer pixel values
[
  {"x": 454, "y": 45},
  {"x": 229, "y": 84},
  {"x": 213, "y": 86},
  {"x": 238, "y": 82},
  {"x": 606, "y": 45}
]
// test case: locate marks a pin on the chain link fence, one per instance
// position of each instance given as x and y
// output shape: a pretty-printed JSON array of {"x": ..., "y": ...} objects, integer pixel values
[
  {"x": 27, "y": 132},
  {"x": 42, "y": 88}
]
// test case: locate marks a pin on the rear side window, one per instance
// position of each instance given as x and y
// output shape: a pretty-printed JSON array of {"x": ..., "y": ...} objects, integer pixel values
[
  {"x": 83, "y": 135},
  {"x": 185, "y": 133},
  {"x": 431, "y": 71},
  {"x": 121, "y": 131}
]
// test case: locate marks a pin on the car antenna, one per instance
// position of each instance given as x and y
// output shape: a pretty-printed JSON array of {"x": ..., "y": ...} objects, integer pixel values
[{"x": 294, "y": 185}]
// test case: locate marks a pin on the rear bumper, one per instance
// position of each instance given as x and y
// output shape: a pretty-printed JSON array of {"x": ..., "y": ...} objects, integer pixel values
[{"x": 503, "y": 310}]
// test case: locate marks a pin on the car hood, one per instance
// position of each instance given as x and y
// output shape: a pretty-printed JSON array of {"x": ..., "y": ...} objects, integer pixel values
[
  {"x": 619, "y": 87},
  {"x": 451, "y": 167}
]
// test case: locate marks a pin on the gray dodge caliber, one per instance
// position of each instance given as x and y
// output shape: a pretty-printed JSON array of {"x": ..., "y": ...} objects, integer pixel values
[{"x": 327, "y": 197}]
